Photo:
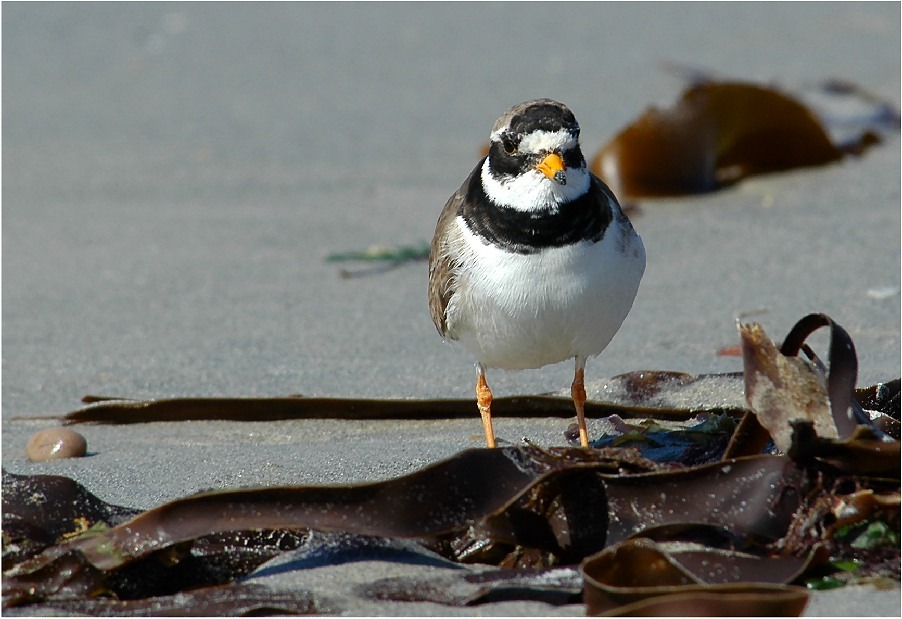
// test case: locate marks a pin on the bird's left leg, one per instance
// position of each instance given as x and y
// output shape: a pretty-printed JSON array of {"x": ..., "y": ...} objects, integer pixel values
[{"x": 578, "y": 392}]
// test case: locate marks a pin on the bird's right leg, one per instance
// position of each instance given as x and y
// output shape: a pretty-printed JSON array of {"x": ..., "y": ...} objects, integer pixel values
[{"x": 484, "y": 401}]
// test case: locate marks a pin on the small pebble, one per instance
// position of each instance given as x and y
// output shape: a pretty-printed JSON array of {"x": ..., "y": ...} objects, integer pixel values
[
  {"x": 883, "y": 292},
  {"x": 56, "y": 443}
]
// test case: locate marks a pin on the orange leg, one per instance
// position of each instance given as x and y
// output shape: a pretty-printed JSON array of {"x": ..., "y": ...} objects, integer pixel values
[
  {"x": 484, "y": 401},
  {"x": 578, "y": 391}
]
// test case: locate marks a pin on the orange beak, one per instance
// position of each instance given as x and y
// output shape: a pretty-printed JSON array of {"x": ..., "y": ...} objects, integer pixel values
[{"x": 552, "y": 166}]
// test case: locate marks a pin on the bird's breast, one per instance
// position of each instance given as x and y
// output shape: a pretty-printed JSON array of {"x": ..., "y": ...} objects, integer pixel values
[{"x": 516, "y": 310}]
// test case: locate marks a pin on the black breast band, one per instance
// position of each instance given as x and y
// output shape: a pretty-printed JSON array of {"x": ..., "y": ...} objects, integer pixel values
[{"x": 522, "y": 232}]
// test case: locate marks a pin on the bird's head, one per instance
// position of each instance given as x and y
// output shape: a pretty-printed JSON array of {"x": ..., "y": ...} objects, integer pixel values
[{"x": 534, "y": 159}]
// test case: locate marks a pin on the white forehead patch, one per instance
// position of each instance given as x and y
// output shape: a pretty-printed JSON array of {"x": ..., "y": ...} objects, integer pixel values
[{"x": 543, "y": 141}]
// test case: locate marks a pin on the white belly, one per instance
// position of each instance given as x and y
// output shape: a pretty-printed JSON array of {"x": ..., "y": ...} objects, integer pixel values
[{"x": 518, "y": 311}]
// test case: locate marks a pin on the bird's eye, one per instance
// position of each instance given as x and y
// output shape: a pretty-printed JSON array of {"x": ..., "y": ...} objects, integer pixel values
[{"x": 510, "y": 146}]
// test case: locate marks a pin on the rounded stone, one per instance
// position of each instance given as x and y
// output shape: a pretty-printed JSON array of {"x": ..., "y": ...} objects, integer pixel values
[{"x": 56, "y": 443}]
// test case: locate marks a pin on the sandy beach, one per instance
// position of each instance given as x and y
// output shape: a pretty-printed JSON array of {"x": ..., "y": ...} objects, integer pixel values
[{"x": 175, "y": 176}]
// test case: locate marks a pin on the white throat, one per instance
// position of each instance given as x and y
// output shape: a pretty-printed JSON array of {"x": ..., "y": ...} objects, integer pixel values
[{"x": 533, "y": 191}]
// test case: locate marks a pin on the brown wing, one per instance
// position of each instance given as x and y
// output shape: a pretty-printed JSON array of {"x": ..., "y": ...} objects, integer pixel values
[{"x": 441, "y": 262}]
